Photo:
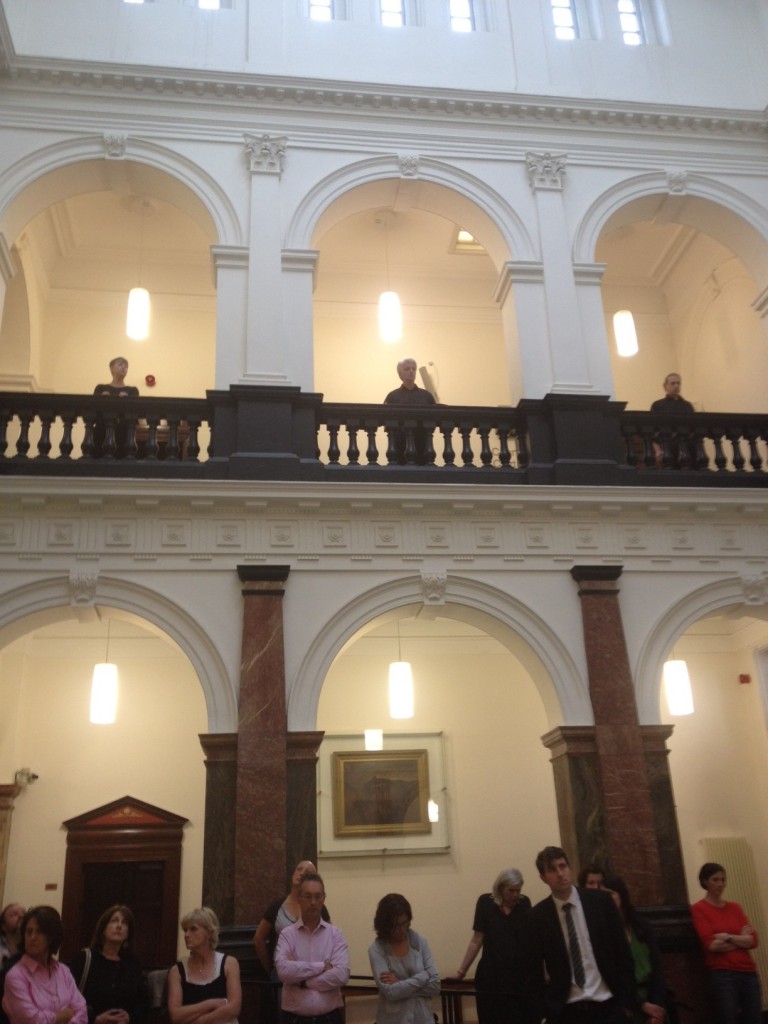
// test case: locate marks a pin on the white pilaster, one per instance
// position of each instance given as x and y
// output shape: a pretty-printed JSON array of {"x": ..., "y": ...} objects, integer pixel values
[
  {"x": 230, "y": 269},
  {"x": 299, "y": 268}
]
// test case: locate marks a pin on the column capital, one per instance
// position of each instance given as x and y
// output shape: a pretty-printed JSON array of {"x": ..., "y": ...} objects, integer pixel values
[
  {"x": 546, "y": 171},
  {"x": 592, "y": 579},
  {"x": 263, "y": 579},
  {"x": 219, "y": 747},
  {"x": 265, "y": 154}
]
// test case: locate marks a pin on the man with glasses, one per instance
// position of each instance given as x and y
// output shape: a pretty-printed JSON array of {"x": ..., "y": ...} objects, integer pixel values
[{"x": 312, "y": 961}]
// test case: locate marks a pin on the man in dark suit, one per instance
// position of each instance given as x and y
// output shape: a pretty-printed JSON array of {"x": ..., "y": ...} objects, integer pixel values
[{"x": 587, "y": 974}]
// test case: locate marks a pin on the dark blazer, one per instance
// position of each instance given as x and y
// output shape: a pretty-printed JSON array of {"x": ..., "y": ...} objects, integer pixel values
[{"x": 609, "y": 942}]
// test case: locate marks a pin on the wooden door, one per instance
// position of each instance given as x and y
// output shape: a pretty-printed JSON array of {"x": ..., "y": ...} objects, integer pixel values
[{"x": 124, "y": 852}]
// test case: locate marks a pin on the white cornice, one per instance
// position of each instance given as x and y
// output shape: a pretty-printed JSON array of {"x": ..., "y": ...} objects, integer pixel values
[{"x": 240, "y": 91}]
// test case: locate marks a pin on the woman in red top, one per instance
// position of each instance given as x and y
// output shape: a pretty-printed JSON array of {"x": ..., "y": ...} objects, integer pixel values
[{"x": 727, "y": 936}]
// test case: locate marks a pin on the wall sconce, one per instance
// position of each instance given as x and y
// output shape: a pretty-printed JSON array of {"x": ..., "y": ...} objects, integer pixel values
[
  {"x": 677, "y": 688},
  {"x": 624, "y": 332},
  {"x": 25, "y": 777}
]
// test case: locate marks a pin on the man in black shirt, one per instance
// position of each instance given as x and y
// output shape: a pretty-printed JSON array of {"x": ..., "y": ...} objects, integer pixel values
[
  {"x": 672, "y": 401},
  {"x": 408, "y": 394}
]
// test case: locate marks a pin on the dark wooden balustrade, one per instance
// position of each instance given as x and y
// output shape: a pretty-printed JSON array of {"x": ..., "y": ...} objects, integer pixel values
[{"x": 271, "y": 433}]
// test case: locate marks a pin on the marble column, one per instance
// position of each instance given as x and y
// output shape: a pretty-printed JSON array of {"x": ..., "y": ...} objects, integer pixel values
[
  {"x": 262, "y": 791},
  {"x": 219, "y": 844},
  {"x": 8, "y": 793},
  {"x": 629, "y": 822},
  {"x": 576, "y": 769},
  {"x": 302, "y": 797}
]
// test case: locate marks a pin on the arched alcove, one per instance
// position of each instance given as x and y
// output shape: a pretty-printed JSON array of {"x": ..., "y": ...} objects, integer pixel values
[
  {"x": 84, "y": 233},
  {"x": 690, "y": 260},
  {"x": 499, "y": 800},
  {"x": 152, "y": 749}
]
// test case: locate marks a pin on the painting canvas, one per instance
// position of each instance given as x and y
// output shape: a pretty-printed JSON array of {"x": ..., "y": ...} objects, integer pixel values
[{"x": 380, "y": 794}]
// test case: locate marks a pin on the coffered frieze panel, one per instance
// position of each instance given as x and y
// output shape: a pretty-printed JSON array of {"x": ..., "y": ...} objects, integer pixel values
[{"x": 389, "y": 527}]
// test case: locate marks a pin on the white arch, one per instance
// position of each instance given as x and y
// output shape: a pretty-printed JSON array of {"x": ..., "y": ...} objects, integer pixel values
[
  {"x": 49, "y": 600},
  {"x": 670, "y": 623},
  {"x": 725, "y": 213},
  {"x": 562, "y": 689},
  {"x": 482, "y": 210},
  {"x": 79, "y": 166}
]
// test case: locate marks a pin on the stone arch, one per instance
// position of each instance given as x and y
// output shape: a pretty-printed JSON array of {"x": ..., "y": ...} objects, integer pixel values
[
  {"x": 670, "y": 623},
  {"x": 49, "y": 601},
  {"x": 79, "y": 166},
  {"x": 482, "y": 210},
  {"x": 725, "y": 213},
  {"x": 563, "y": 690}
]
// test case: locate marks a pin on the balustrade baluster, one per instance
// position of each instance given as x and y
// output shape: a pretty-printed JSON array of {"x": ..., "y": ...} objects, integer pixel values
[
  {"x": 89, "y": 442},
  {"x": 522, "y": 448},
  {"x": 152, "y": 447},
  {"x": 130, "y": 449},
  {"x": 486, "y": 455},
  {"x": 22, "y": 443},
  {"x": 353, "y": 452},
  {"x": 410, "y": 443},
  {"x": 720, "y": 460},
  {"x": 429, "y": 454},
  {"x": 4, "y": 421},
  {"x": 734, "y": 436},
  {"x": 449, "y": 455},
  {"x": 44, "y": 442},
  {"x": 701, "y": 459},
  {"x": 467, "y": 455},
  {"x": 505, "y": 456},
  {"x": 333, "y": 443},
  {"x": 372, "y": 452},
  {"x": 109, "y": 446},
  {"x": 192, "y": 451},
  {"x": 172, "y": 450},
  {"x": 65, "y": 445},
  {"x": 392, "y": 454},
  {"x": 683, "y": 446},
  {"x": 755, "y": 461}
]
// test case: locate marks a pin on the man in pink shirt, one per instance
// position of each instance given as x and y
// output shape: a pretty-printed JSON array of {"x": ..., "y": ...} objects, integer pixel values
[{"x": 312, "y": 961}]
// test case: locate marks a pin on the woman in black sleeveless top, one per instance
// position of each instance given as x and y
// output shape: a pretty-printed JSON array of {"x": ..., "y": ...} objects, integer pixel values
[{"x": 205, "y": 986}]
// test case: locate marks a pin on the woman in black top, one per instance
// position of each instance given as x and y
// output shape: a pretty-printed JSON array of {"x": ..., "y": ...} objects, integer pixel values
[
  {"x": 109, "y": 975},
  {"x": 205, "y": 986}
]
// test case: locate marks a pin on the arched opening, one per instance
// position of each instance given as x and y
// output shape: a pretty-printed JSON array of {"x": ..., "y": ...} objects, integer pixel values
[
  {"x": 691, "y": 271},
  {"x": 719, "y": 755},
  {"x": 403, "y": 235},
  {"x": 486, "y": 702},
  {"x": 83, "y": 235},
  {"x": 152, "y": 750}
]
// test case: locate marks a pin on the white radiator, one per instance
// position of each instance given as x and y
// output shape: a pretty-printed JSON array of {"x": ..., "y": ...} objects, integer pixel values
[{"x": 734, "y": 853}]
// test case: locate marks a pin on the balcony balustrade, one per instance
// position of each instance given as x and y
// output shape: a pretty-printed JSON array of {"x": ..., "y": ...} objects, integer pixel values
[{"x": 270, "y": 433}]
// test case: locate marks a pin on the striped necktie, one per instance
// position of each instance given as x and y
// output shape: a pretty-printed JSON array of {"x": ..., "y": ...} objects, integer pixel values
[{"x": 573, "y": 946}]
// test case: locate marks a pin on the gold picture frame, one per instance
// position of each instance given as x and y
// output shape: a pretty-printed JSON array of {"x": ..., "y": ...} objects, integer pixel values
[{"x": 381, "y": 793}]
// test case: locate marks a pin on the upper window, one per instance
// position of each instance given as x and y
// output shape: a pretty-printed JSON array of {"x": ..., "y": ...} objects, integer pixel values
[
  {"x": 564, "y": 17},
  {"x": 631, "y": 22},
  {"x": 392, "y": 13},
  {"x": 462, "y": 16},
  {"x": 321, "y": 10}
]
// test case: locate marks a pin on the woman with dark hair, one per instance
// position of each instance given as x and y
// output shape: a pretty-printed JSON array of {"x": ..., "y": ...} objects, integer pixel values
[
  {"x": 38, "y": 989},
  {"x": 402, "y": 965},
  {"x": 727, "y": 936},
  {"x": 281, "y": 913},
  {"x": 651, "y": 987},
  {"x": 205, "y": 986},
  {"x": 505, "y": 974},
  {"x": 109, "y": 975}
]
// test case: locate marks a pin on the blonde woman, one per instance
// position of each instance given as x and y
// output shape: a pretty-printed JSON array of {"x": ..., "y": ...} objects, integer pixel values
[{"x": 204, "y": 987}]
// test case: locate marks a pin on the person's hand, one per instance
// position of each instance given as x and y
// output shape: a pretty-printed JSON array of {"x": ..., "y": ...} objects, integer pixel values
[
  {"x": 655, "y": 1014},
  {"x": 114, "y": 1016},
  {"x": 388, "y": 977},
  {"x": 64, "y": 1016}
]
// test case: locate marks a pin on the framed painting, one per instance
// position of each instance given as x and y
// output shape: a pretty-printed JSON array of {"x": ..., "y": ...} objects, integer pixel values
[
  {"x": 382, "y": 802},
  {"x": 380, "y": 793}
]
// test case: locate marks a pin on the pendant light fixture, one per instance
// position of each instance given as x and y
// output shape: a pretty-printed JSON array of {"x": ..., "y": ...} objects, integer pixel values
[
  {"x": 137, "y": 318},
  {"x": 625, "y": 333},
  {"x": 390, "y": 310},
  {"x": 677, "y": 687},
  {"x": 400, "y": 685},
  {"x": 104, "y": 690}
]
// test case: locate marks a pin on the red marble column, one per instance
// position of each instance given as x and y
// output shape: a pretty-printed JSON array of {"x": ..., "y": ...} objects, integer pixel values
[
  {"x": 260, "y": 811},
  {"x": 628, "y": 812},
  {"x": 220, "y": 801}
]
